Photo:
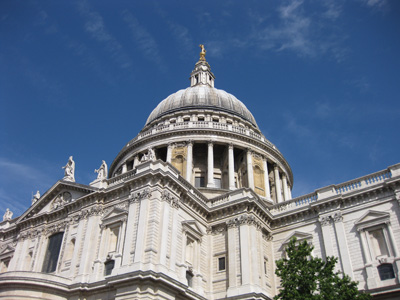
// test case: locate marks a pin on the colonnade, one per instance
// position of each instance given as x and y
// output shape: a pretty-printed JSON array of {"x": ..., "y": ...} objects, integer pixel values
[{"x": 282, "y": 189}]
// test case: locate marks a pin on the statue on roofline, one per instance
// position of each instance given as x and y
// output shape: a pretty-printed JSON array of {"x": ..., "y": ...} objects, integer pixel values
[
  {"x": 102, "y": 172},
  {"x": 202, "y": 52},
  {"x": 8, "y": 215},
  {"x": 69, "y": 173},
  {"x": 36, "y": 197}
]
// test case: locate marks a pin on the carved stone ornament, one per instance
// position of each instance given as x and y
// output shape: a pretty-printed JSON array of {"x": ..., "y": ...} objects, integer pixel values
[
  {"x": 325, "y": 220},
  {"x": 137, "y": 196},
  {"x": 54, "y": 228},
  {"x": 61, "y": 200},
  {"x": 337, "y": 217},
  {"x": 167, "y": 196},
  {"x": 218, "y": 229},
  {"x": 95, "y": 210},
  {"x": 243, "y": 220}
]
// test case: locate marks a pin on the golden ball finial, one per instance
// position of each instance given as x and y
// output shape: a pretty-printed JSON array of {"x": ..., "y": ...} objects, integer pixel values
[{"x": 202, "y": 52}]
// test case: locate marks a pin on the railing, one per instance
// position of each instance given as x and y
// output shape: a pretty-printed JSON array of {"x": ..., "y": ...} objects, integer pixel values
[
  {"x": 202, "y": 124},
  {"x": 331, "y": 191},
  {"x": 363, "y": 182},
  {"x": 294, "y": 203}
]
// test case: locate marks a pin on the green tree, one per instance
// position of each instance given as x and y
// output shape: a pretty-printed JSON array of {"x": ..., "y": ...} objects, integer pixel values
[{"x": 304, "y": 277}]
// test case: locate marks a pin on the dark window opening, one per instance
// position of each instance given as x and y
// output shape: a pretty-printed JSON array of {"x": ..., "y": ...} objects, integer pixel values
[
  {"x": 201, "y": 119},
  {"x": 386, "y": 271},
  {"x": 199, "y": 182},
  {"x": 108, "y": 267},
  {"x": 189, "y": 278},
  {"x": 221, "y": 264},
  {"x": 52, "y": 253}
]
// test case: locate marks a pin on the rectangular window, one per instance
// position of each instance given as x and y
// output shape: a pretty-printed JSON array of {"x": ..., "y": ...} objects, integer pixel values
[
  {"x": 221, "y": 263},
  {"x": 52, "y": 253},
  {"x": 217, "y": 182},
  {"x": 113, "y": 239},
  {"x": 265, "y": 267},
  {"x": 378, "y": 243},
  {"x": 189, "y": 278},
  {"x": 108, "y": 267},
  {"x": 199, "y": 182}
]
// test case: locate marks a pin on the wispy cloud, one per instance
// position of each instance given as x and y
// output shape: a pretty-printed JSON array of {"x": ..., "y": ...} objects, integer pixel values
[
  {"x": 147, "y": 44},
  {"x": 293, "y": 29},
  {"x": 95, "y": 26},
  {"x": 24, "y": 179},
  {"x": 374, "y": 3}
]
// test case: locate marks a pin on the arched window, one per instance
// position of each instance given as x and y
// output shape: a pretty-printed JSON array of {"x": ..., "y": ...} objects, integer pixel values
[{"x": 259, "y": 180}]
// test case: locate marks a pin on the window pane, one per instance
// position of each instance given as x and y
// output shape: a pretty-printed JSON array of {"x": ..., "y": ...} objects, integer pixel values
[
  {"x": 109, "y": 266},
  {"x": 52, "y": 253},
  {"x": 386, "y": 271},
  {"x": 199, "y": 182},
  {"x": 217, "y": 182},
  {"x": 221, "y": 263}
]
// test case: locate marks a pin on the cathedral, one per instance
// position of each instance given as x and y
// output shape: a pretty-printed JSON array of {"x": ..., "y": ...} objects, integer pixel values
[{"x": 197, "y": 206}]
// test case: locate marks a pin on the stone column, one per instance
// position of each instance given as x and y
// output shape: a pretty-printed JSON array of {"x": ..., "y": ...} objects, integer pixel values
[
  {"x": 169, "y": 153},
  {"x": 189, "y": 161},
  {"x": 266, "y": 180},
  {"x": 285, "y": 188},
  {"x": 277, "y": 185},
  {"x": 342, "y": 244},
  {"x": 127, "y": 250},
  {"x": 232, "y": 275},
  {"x": 231, "y": 167},
  {"x": 325, "y": 222},
  {"x": 92, "y": 233},
  {"x": 210, "y": 164},
  {"x": 142, "y": 228},
  {"x": 164, "y": 234},
  {"x": 250, "y": 176},
  {"x": 135, "y": 161},
  {"x": 245, "y": 246},
  {"x": 124, "y": 168}
]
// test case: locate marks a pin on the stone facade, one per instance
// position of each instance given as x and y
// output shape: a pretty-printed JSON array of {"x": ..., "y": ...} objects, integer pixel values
[{"x": 197, "y": 206}]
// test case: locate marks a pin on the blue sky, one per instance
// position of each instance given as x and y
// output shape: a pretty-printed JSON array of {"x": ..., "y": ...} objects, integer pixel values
[{"x": 80, "y": 78}]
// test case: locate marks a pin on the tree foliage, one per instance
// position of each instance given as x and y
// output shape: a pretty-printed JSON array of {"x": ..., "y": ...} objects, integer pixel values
[{"x": 304, "y": 277}]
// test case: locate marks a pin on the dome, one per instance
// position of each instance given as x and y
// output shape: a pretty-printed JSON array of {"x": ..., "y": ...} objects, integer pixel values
[{"x": 202, "y": 96}]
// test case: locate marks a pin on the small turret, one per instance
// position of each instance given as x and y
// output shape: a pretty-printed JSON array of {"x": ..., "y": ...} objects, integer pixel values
[{"x": 202, "y": 71}]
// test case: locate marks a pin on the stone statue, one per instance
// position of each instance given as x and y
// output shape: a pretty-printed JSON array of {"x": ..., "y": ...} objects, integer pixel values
[
  {"x": 102, "y": 172},
  {"x": 36, "y": 197},
  {"x": 8, "y": 215},
  {"x": 202, "y": 53},
  {"x": 69, "y": 174},
  {"x": 150, "y": 155}
]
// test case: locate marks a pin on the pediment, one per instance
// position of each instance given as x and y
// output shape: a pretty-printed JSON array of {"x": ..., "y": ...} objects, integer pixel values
[
  {"x": 114, "y": 214},
  {"x": 371, "y": 218},
  {"x": 59, "y": 195},
  {"x": 192, "y": 228},
  {"x": 300, "y": 236},
  {"x": 7, "y": 249}
]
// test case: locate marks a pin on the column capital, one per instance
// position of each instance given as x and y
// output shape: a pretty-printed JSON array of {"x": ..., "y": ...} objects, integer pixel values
[
  {"x": 210, "y": 143},
  {"x": 190, "y": 142},
  {"x": 230, "y": 146}
]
